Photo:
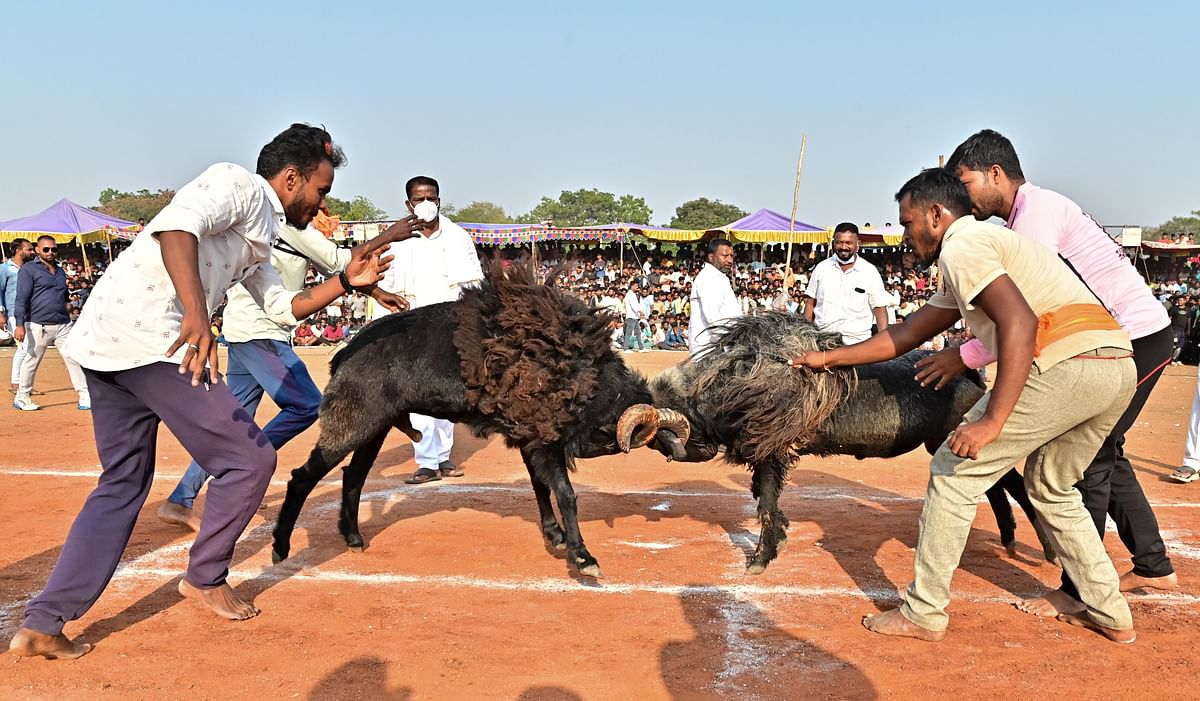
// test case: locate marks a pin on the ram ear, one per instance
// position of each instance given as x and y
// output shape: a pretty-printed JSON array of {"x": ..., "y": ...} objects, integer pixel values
[{"x": 677, "y": 447}]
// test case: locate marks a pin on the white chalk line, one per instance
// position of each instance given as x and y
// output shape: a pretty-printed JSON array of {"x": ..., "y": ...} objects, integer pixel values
[{"x": 402, "y": 492}]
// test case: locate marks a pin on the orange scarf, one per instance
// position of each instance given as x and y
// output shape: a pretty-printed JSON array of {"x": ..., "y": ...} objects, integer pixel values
[{"x": 1069, "y": 320}]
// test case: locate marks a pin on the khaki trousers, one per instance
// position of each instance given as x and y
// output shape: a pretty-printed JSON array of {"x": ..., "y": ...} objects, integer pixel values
[{"x": 1067, "y": 411}]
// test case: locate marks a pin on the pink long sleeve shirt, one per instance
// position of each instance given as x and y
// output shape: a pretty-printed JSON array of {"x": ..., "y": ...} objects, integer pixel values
[{"x": 1059, "y": 224}]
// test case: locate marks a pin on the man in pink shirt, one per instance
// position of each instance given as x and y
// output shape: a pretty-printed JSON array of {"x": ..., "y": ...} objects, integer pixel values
[{"x": 987, "y": 164}]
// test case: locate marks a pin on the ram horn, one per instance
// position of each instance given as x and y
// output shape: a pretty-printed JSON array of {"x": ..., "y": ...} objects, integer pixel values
[
  {"x": 637, "y": 426},
  {"x": 676, "y": 423}
]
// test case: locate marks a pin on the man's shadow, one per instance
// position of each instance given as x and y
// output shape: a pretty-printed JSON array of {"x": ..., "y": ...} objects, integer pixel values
[
  {"x": 862, "y": 519},
  {"x": 737, "y": 651},
  {"x": 885, "y": 516},
  {"x": 361, "y": 678}
]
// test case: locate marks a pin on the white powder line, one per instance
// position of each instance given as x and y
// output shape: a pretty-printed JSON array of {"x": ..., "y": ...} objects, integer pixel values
[
  {"x": 406, "y": 492},
  {"x": 566, "y": 585}
]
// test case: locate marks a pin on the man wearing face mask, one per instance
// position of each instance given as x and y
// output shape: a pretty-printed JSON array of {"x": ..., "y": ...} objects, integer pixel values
[
  {"x": 431, "y": 268},
  {"x": 845, "y": 294}
]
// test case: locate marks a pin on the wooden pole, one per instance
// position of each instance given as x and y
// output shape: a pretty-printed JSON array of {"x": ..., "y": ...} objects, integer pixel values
[
  {"x": 795, "y": 204},
  {"x": 941, "y": 161},
  {"x": 83, "y": 251}
]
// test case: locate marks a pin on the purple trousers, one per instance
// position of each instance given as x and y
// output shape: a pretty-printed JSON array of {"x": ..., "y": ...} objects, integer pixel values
[{"x": 212, "y": 426}]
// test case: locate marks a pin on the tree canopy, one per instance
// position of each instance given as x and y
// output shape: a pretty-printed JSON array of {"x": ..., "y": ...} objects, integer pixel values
[
  {"x": 478, "y": 212},
  {"x": 133, "y": 206},
  {"x": 590, "y": 208},
  {"x": 358, "y": 209},
  {"x": 703, "y": 213},
  {"x": 1174, "y": 225}
]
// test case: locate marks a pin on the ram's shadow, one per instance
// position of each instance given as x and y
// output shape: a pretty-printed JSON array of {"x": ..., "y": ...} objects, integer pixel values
[{"x": 856, "y": 520}]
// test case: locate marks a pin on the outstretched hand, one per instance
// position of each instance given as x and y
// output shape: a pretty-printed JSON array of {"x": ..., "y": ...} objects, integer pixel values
[
  {"x": 366, "y": 268},
  {"x": 941, "y": 367},
  {"x": 407, "y": 228},
  {"x": 391, "y": 302},
  {"x": 813, "y": 360}
]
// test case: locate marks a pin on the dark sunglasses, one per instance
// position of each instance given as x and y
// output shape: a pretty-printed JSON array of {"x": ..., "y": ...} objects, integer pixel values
[{"x": 49, "y": 249}]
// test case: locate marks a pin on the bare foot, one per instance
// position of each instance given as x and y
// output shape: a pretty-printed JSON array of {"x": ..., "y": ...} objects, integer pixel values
[
  {"x": 1051, "y": 604},
  {"x": 177, "y": 515},
  {"x": 221, "y": 600},
  {"x": 1083, "y": 620},
  {"x": 1131, "y": 581},
  {"x": 31, "y": 643},
  {"x": 894, "y": 623}
]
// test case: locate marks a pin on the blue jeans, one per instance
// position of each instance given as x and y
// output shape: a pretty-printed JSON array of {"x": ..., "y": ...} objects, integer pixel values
[
  {"x": 633, "y": 334},
  {"x": 255, "y": 366}
]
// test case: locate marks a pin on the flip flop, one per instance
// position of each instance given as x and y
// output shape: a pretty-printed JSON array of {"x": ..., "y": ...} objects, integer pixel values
[
  {"x": 449, "y": 469},
  {"x": 1185, "y": 474},
  {"x": 422, "y": 476}
]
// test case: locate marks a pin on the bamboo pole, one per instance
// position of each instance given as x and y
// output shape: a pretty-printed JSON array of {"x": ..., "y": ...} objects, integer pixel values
[
  {"x": 83, "y": 251},
  {"x": 795, "y": 204}
]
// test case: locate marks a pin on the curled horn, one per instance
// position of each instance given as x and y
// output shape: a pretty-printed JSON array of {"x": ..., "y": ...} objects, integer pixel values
[
  {"x": 640, "y": 418},
  {"x": 676, "y": 423}
]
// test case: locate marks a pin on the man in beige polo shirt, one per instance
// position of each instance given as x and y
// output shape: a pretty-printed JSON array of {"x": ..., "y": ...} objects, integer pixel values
[{"x": 1065, "y": 374}]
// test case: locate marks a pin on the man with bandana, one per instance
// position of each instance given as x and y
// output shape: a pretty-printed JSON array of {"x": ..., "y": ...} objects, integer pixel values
[{"x": 845, "y": 294}]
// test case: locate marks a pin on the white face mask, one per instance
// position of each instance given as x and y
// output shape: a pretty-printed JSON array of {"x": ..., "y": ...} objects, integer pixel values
[
  {"x": 426, "y": 210},
  {"x": 845, "y": 261}
]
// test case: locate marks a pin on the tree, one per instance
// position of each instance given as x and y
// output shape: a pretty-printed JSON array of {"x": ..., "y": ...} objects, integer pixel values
[
  {"x": 358, "y": 209},
  {"x": 704, "y": 213},
  {"x": 591, "y": 208},
  {"x": 133, "y": 206},
  {"x": 478, "y": 212},
  {"x": 1175, "y": 225}
]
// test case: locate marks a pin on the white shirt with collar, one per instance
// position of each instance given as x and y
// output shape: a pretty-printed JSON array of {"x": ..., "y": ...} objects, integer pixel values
[
  {"x": 244, "y": 320},
  {"x": 133, "y": 315},
  {"x": 846, "y": 298},
  {"x": 713, "y": 302},
  {"x": 431, "y": 269},
  {"x": 633, "y": 305}
]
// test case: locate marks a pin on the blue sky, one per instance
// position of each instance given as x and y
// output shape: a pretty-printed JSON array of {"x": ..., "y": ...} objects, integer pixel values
[{"x": 668, "y": 100}]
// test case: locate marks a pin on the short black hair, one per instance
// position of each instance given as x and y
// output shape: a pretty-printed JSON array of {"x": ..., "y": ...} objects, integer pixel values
[
  {"x": 44, "y": 237},
  {"x": 18, "y": 243},
  {"x": 716, "y": 243},
  {"x": 301, "y": 146},
  {"x": 983, "y": 150},
  {"x": 937, "y": 186},
  {"x": 845, "y": 226},
  {"x": 420, "y": 180}
]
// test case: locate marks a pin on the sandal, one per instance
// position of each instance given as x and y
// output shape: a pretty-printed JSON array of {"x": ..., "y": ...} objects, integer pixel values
[
  {"x": 422, "y": 476},
  {"x": 449, "y": 469},
  {"x": 1185, "y": 474}
]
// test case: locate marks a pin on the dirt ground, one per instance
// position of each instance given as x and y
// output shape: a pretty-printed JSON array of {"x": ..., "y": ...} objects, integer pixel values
[{"x": 456, "y": 597}]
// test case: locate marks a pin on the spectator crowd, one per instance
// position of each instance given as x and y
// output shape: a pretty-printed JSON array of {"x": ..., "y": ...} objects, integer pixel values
[{"x": 599, "y": 277}]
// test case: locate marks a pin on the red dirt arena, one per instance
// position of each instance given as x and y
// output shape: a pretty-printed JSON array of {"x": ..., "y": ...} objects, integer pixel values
[{"x": 456, "y": 597}]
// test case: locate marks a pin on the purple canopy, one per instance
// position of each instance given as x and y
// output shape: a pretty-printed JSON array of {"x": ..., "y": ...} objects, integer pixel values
[
  {"x": 768, "y": 220},
  {"x": 65, "y": 220}
]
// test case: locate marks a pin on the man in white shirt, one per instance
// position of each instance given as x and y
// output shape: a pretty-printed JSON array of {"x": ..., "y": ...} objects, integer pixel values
[
  {"x": 261, "y": 358},
  {"x": 712, "y": 299},
  {"x": 846, "y": 293},
  {"x": 634, "y": 313},
  {"x": 22, "y": 253},
  {"x": 149, "y": 357},
  {"x": 428, "y": 269}
]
